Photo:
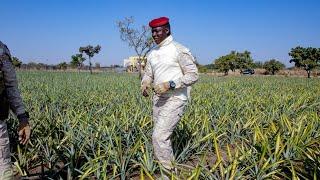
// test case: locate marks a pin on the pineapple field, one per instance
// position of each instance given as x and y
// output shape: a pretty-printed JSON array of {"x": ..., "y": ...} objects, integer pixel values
[{"x": 99, "y": 127}]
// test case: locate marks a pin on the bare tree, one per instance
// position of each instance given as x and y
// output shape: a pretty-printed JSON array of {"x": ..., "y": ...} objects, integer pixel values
[
  {"x": 90, "y": 51},
  {"x": 140, "y": 40}
]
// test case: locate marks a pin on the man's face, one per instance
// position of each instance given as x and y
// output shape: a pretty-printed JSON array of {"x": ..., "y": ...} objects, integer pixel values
[{"x": 159, "y": 34}]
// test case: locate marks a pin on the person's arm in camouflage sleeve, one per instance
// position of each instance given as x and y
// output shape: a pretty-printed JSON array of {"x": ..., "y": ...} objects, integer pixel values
[
  {"x": 147, "y": 79},
  {"x": 189, "y": 70},
  {"x": 13, "y": 94},
  {"x": 12, "y": 91}
]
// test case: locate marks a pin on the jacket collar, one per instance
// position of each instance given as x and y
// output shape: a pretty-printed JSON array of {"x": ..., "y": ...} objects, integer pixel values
[{"x": 166, "y": 41}]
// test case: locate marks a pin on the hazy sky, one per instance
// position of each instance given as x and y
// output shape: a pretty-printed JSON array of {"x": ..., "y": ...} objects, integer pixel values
[{"x": 50, "y": 31}]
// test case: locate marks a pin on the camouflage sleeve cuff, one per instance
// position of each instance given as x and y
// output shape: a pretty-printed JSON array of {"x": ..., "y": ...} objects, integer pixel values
[{"x": 23, "y": 118}]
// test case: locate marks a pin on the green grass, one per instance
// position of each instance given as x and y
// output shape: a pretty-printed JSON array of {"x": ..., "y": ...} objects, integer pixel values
[{"x": 235, "y": 127}]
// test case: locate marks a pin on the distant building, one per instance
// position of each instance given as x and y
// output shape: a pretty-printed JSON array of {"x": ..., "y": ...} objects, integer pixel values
[{"x": 131, "y": 64}]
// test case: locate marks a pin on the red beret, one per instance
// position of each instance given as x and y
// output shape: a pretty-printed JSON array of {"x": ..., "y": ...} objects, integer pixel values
[{"x": 159, "y": 22}]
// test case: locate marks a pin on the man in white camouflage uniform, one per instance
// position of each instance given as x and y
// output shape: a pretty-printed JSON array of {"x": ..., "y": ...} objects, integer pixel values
[{"x": 171, "y": 70}]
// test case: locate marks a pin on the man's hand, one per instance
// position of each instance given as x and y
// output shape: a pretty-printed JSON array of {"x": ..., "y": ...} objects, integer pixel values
[
  {"x": 24, "y": 132},
  {"x": 162, "y": 88},
  {"x": 144, "y": 89}
]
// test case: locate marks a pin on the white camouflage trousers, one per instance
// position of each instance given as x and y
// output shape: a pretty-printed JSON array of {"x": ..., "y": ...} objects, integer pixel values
[
  {"x": 167, "y": 112},
  {"x": 5, "y": 159}
]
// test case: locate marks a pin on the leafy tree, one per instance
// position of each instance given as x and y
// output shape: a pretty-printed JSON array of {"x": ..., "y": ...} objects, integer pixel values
[
  {"x": 273, "y": 66},
  {"x": 77, "y": 61},
  {"x": 16, "y": 62},
  {"x": 243, "y": 60},
  {"x": 63, "y": 66},
  {"x": 234, "y": 60},
  {"x": 205, "y": 68},
  {"x": 140, "y": 40},
  {"x": 210, "y": 66},
  {"x": 33, "y": 65},
  {"x": 257, "y": 64},
  {"x": 202, "y": 68},
  {"x": 42, "y": 66},
  {"x": 226, "y": 63},
  {"x": 90, "y": 51},
  {"x": 38, "y": 66},
  {"x": 308, "y": 58}
]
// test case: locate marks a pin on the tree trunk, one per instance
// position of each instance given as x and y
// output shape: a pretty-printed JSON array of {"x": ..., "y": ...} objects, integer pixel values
[
  {"x": 139, "y": 69},
  {"x": 90, "y": 68},
  {"x": 308, "y": 73}
]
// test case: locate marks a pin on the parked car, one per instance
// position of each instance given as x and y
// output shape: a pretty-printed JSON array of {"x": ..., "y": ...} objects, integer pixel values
[{"x": 248, "y": 71}]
